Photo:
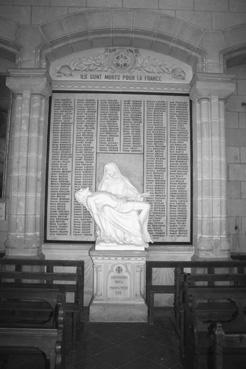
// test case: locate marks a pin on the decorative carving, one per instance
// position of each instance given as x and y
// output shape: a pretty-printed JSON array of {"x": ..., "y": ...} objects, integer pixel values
[{"x": 121, "y": 60}]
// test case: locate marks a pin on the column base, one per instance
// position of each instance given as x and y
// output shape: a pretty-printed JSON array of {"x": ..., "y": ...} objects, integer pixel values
[
  {"x": 23, "y": 247},
  {"x": 23, "y": 253},
  {"x": 213, "y": 248}
]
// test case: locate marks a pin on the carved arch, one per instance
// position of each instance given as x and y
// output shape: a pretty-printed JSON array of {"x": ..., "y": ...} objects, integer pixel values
[{"x": 133, "y": 28}]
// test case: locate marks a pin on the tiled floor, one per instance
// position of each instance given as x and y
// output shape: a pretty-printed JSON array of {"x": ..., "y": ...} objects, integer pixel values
[
  {"x": 113, "y": 346},
  {"x": 125, "y": 346}
]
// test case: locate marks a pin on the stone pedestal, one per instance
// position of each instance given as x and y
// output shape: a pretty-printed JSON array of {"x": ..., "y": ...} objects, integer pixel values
[{"x": 119, "y": 286}]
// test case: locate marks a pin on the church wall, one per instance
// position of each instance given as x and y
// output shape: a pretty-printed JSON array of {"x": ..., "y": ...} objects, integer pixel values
[
  {"x": 207, "y": 14},
  {"x": 236, "y": 160},
  {"x": 217, "y": 22},
  {"x": 210, "y": 16}
]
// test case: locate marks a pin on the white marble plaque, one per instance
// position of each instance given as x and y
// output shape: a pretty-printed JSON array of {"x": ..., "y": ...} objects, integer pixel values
[{"x": 147, "y": 136}]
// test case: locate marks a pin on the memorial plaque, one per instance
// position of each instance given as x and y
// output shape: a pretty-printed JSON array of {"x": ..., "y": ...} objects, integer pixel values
[
  {"x": 118, "y": 283},
  {"x": 91, "y": 128}
]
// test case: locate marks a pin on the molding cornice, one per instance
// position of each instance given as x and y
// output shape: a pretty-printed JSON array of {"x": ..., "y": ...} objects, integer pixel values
[
  {"x": 206, "y": 85},
  {"x": 35, "y": 81}
]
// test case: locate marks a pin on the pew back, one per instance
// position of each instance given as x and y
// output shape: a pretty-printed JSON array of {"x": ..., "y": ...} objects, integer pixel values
[
  {"x": 204, "y": 308},
  {"x": 32, "y": 318},
  {"x": 65, "y": 275},
  {"x": 203, "y": 271},
  {"x": 30, "y": 307},
  {"x": 224, "y": 344}
]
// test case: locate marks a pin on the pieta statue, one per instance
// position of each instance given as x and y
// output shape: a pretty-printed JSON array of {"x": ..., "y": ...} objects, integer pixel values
[{"x": 119, "y": 211}]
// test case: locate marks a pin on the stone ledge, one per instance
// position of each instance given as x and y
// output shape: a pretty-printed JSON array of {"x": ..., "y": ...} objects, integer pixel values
[{"x": 118, "y": 313}]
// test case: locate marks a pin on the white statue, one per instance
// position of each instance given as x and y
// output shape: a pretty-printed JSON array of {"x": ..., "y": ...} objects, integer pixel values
[
  {"x": 119, "y": 211},
  {"x": 114, "y": 182}
]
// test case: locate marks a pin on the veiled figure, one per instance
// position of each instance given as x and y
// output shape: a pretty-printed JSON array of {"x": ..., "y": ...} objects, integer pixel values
[
  {"x": 118, "y": 209},
  {"x": 114, "y": 182}
]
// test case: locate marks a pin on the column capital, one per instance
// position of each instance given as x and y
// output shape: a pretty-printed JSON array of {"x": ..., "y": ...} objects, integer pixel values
[
  {"x": 35, "y": 81},
  {"x": 206, "y": 85}
]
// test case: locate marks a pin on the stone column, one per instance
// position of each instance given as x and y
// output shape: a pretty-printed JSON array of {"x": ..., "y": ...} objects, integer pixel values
[
  {"x": 209, "y": 91},
  {"x": 26, "y": 158}
]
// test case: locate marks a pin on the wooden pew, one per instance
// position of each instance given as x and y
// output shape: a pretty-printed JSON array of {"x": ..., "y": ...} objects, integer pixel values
[
  {"x": 180, "y": 270},
  {"x": 65, "y": 275},
  {"x": 213, "y": 277},
  {"x": 29, "y": 307},
  {"x": 229, "y": 343},
  {"x": 173, "y": 288},
  {"x": 204, "y": 308},
  {"x": 200, "y": 273},
  {"x": 32, "y": 318}
]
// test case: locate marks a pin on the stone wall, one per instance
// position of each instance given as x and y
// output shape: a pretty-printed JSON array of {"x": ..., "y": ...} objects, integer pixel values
[
  {"x": 236, "y": 160},
  {"x": 207, "y": 14}
]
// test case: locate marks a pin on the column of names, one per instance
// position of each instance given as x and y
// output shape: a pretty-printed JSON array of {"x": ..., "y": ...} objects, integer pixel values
[
  {"x": 60, "y": 170},
  {"x": 84, "y": 163},
  {"x": 155, "y": 165},
  {"x": 179, "y": 177}
]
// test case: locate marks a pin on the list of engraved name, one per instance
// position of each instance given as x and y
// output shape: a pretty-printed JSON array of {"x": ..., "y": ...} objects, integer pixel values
[{"x": 84, "y": 125}]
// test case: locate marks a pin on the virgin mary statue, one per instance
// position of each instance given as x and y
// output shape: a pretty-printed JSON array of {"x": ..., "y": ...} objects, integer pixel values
[
  {"x": 113, "y": 181},
  {"x": 119, "y": 211}
]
